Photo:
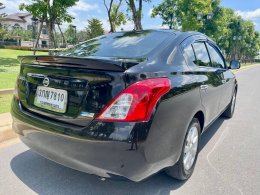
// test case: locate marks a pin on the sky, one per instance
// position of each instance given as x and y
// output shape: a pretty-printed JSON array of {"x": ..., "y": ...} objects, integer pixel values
[{"x": 87, "y": 9}]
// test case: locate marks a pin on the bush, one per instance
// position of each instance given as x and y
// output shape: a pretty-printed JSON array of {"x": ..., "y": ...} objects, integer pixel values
[{"x": 18, "y": 48}]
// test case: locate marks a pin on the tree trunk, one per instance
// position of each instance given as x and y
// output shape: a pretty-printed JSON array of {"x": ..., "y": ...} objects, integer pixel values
[
  {"x": 50, "y": 27},
  {"x": 112, "y": 29},
  {"x": 137, "y": 15},
  {"x": 55, "y": 37},
  {"x": 138, "y": 24},
  {"x": 63, "y": 38},
  {"x": 38, "y": 37}
]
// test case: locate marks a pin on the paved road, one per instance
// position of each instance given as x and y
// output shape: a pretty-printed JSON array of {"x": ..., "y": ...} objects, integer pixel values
[{"x": 228, "y": 162}]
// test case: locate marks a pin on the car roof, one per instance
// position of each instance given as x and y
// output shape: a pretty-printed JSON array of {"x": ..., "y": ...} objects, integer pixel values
[
  {"x": 170, "y": 31},
  {"x": 179, "y": 36}
]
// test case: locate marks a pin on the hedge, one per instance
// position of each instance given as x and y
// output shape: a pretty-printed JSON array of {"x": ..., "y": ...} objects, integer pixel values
[{"x": 20, "y": 48}]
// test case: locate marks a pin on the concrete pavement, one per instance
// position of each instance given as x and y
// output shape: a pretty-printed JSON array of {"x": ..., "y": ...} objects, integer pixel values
[{"x": 228, "y": 162}]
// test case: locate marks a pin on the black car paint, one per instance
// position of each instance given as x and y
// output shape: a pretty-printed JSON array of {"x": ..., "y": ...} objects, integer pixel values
[{"x": 129, "y": 149}]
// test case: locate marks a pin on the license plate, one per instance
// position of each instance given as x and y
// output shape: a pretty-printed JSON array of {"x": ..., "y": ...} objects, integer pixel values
[{"x": 51, "y": 99}]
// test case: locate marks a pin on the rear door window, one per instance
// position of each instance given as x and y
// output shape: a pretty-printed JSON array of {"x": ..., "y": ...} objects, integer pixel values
[
  {"x": 201, "y": 54},
  {"x": 216, "y": 59}
]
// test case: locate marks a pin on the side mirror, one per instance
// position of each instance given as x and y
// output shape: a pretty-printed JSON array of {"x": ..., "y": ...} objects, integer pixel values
[{"x": 234, "y": 65}]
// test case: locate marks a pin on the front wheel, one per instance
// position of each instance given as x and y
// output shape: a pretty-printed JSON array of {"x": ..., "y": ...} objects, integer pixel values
[
  {"x": 228, "y": 113},
  {"x": 183, "y": 169}
]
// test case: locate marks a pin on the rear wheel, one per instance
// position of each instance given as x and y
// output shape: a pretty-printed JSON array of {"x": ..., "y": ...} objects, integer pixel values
[
  {"x": 228, "y": 113},
  {"x": 183, "y": 169}
]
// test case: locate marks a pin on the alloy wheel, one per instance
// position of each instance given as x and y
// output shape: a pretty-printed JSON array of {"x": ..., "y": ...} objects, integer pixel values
[{"x": 191, "y": 146}]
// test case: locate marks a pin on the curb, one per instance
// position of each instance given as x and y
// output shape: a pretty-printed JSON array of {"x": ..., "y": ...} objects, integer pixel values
[
  {"x": 6, "y": 132},
  {"x": 6, "y": 91}
]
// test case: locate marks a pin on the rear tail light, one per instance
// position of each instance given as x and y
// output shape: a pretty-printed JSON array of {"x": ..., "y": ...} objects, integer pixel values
[{"x": 136, "y": 102}]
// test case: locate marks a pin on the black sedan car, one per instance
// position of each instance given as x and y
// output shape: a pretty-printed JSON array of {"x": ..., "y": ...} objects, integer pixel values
[{"x": 125, "y": 104}]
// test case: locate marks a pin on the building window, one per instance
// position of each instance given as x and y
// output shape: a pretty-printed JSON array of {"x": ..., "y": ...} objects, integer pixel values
[
  {"x": 44, "y": 30},
  {"x": 29, "y": 27},
  {"x": 16, "y": 26}
]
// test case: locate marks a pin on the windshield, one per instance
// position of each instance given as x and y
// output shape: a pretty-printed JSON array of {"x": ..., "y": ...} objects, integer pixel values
[{"x": 122, "y": 44}]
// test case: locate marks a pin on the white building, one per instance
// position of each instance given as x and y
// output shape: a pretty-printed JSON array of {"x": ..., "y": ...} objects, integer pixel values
[{"x": 24, "y": 21}]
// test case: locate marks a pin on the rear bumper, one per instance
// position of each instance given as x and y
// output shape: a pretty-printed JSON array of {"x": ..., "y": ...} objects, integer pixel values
[{"x": 135, "y": 161}]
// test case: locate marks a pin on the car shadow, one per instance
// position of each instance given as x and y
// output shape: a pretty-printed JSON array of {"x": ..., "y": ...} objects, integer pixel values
[
  {"x": 47, "y": 177},
  {"x": 210, "y": 132}
]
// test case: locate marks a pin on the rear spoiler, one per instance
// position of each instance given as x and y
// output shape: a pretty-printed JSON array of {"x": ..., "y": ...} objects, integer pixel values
[{"x": 113, "y": 64}]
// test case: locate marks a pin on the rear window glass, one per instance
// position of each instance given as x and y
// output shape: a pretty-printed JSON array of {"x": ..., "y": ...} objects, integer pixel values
[{"x": 123, "y": 44}]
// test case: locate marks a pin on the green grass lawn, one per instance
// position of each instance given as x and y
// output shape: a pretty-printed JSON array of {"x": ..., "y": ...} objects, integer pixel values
[
  {"x": 9, "y": 66},
  {"x": 5, "y": 102},
  {"x": 9, "y": 69}
]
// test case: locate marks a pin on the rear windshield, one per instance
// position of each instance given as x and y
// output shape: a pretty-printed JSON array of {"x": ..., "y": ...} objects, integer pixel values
[{"x": 122, "y": 44}]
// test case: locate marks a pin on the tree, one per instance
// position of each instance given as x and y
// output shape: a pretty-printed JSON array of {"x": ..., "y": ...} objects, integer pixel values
[
  {"x": 188, "y": 10},
  {"x": 70, "y": 34},
  {"x": 51, "y": 14},
  {"x": 244, "y": 44},
  {"x": 136, "y": 12},
  {"x": 25, "y": 35},
  {"x": 223, "y": 33},
  {"x": 2, "y": 6},
  {"x": 2, "y": 15},
  {"x": 218, "y": 22},
  {"x": 108, "y": 8},
  {"x": 82, "y": 36},
  {"x": 183, "y": 13},
  {"x": 94, "y": 28},
  {"x": 115, "y": 17},
  {"x": 63, "y": 40},
  {"x": 235, "y": 36},
  {"x": 167, "y": 11},
  {"x": 3, "y": 33}
]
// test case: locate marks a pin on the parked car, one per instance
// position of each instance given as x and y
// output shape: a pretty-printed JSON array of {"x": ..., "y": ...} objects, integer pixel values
[{"x": 127, "y": 104}]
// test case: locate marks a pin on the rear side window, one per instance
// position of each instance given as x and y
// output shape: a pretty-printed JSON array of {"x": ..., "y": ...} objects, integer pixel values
[
  {"x": 201, "y": 54},
  {"x": 189, "y": 52},
  {"x": 216, "y": 60},
  {"x": 121, "y": 44}
]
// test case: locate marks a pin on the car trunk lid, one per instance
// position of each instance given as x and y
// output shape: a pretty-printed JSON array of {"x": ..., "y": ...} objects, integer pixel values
[{"x": 89, "y": 84}]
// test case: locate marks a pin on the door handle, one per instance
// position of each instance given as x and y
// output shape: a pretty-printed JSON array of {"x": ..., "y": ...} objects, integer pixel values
[
  {"x": 224, "y": 81},
  {"x": 204, "y": 87}
]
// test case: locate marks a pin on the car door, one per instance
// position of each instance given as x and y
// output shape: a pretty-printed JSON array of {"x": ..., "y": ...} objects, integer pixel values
[
  {"x": 210, "y": 81},
  {"x": 227, "y": 77}
]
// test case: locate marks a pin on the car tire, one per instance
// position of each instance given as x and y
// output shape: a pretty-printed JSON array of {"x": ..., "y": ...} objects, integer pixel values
[
  {"x": 228, "y": 113},
  {"x": 183, "y": 170}
]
